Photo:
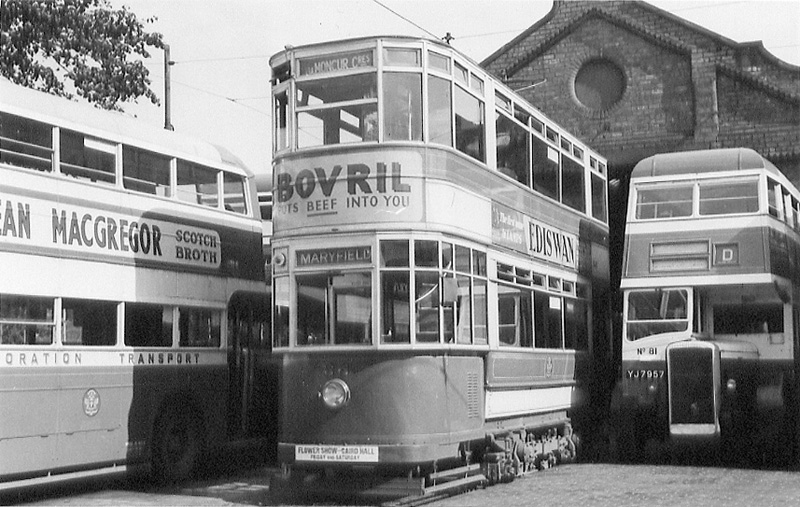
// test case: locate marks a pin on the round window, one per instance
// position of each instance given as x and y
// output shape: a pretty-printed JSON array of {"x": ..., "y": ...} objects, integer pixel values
[{"x": 599, "y": 84}]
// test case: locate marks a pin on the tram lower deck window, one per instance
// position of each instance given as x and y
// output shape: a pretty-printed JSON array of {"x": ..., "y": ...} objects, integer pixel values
[{"x": 334, "y": 309}]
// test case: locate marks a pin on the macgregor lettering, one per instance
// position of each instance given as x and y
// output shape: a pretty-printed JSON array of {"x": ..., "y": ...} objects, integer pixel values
[
  {"x": 15, "y": 221},
  {"x": 106, "y": 233}
]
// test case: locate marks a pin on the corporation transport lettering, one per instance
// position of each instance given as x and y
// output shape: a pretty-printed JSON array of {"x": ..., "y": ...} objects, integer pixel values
[{"x": 42, "y": 358}]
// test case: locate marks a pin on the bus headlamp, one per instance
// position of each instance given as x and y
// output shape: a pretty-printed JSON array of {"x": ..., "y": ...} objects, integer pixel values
[{"x": 335, "y": 393}]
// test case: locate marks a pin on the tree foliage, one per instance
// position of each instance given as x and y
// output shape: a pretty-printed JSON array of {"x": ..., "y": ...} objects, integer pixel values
[{"x": 45, "y": 42}]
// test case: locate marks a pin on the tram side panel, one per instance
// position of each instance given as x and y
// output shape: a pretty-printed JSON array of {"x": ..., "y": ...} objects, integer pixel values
[{"x": 403, "y": 409}]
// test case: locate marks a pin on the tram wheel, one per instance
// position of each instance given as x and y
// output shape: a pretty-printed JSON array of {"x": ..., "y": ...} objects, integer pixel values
[{"x": 177, "y": 446}]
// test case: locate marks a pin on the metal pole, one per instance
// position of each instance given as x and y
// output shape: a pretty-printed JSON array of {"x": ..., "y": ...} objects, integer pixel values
[{"x": 167, "y": 90}]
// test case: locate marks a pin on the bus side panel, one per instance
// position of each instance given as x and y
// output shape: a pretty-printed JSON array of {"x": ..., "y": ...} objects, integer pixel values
[
  {"x": 91, "y": 408},
  {"x": 29, "y": 424},
  {"x": 157, "y": 390},
  {"x": 422, "y": 402}
]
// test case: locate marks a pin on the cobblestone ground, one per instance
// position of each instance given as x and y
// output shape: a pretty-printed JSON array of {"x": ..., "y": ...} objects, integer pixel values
[
  {"x": 605, "y": 485},
  {"x": 576, "y": 485}
]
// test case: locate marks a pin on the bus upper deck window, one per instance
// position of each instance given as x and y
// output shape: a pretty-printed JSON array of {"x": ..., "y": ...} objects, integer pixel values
[
  {"x": 87, "y": 158},
  {"x": 727, "y": 197},
  {"x": 197, "y": 184},
  {"x": 26, "y": 143},
  {"x": 233, "y": 193},
  {"x": 664, "y": 202},
  {"x": 145, "y": 171},
  {"x": 772, "y": 197}
]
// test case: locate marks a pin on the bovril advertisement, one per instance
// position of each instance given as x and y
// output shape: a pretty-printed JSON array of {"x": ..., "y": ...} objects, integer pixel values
[{"x": 382, "y": 186}]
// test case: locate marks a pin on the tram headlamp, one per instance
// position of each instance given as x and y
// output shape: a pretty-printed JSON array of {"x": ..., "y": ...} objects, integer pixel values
[
  {"x": 731, "y": 386},
  {"x": 335, "y": 393}
]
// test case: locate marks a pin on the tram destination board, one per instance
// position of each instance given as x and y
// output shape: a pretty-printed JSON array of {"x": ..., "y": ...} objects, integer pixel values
[{"x": 339, "y": 453}]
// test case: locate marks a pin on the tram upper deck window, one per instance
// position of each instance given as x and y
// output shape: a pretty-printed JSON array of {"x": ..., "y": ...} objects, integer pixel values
[
  {"x": 599, "y": 192},
  {"x": 281, "y": 119},
  {"x": 26, "y": 143},
  {"x": 440, "y": 111},
  {"x": 572, "y": 183},
  {"x": 87, "y": 158},
  {"x": 402, "y": 106},
  {"x": 145, "y": 171},
  {"x": 470, "y": 124},
  {"x": 512, "y": 149},
  {"x": 728, "y": 197},
  {"x": 656, "y": 311},
  {"x": 337, "y": 110},
  {"x": 402, "y": 57},
  {"x": 661, "y": 201},
  {"x": 546, "y": 178},
  {"x": 26, "y": 320},
  {"x": 438, "y": 62}
]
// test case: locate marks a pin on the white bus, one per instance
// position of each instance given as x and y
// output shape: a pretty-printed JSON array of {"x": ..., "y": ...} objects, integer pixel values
[
  {"x": 134, "y": 313},
  {"x": 710, "y": 315}
]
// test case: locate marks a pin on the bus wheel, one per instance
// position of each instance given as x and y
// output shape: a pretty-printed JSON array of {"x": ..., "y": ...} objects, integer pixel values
[{"x": 177, "y": 445}]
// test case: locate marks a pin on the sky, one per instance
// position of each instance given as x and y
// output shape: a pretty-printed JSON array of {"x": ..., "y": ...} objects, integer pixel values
[{"x": 221, "y": 48}]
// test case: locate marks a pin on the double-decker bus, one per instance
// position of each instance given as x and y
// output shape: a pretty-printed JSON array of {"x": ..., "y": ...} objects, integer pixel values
[
  {"x": 134, "y": 309},
  {"x": 440, "y": 264},
  {"x": 710, "y": 314}
]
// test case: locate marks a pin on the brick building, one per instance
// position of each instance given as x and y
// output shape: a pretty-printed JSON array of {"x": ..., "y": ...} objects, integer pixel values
[{"x": 632, "y": 80}]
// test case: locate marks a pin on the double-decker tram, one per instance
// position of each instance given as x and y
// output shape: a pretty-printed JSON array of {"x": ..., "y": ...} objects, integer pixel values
[
  {"x": 440, "y": 265},
  {"x": 134, "y": 321},
  {"x": 710, "y": 314}
]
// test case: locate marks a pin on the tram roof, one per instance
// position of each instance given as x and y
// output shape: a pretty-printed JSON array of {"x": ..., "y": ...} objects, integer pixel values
[
  {"x": 110, "y": 125},
  {"x": 702, "y": 162},
  {"x": 280, "y": 56}
]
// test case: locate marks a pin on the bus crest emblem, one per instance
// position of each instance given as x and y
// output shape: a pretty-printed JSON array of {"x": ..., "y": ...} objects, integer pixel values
[
  {"x": 91, "y": 402},
  {"x": 548, "y": 367}
]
